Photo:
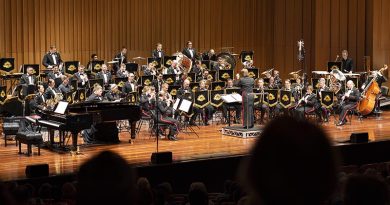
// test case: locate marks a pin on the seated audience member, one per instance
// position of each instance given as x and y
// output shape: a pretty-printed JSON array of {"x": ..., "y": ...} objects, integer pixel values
[
  {"x": 292, "y": 163},
  {"x": 106, "y": 178},
  {"x": 197, "y": 194},
  {"x": 363, "y": 189}
]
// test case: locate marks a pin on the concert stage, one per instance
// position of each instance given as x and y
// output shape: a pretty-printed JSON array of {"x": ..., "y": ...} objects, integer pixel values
[{"x": 211, "y": 144}]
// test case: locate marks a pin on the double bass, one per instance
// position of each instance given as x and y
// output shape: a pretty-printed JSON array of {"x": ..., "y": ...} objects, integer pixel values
[{"x": 369, "y": 95}]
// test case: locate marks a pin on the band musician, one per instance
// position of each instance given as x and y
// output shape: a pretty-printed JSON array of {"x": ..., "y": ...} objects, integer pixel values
[
  {"x": 105, "y": 75},
  {"x": 348, "y": 102},
  {"x": 164, "y": 113},
  {"x": 158, "y": 52},
  {"x": 307, "y": 103},
  {"x": 261, "y": 105},
  {"x": 234, "y": 107},
  {"x": 81, "y": 77},
  {"x": 51, "y": 58}
]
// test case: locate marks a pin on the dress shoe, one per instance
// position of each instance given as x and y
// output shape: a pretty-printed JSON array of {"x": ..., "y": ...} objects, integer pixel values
[
  {"x": 250, "y": 126},
  {"x": 326, "y": 119},
  {"x": 172, "y": 138},
  {"x": 341, "y": 123},
  {"x": 192, "y": 123}
]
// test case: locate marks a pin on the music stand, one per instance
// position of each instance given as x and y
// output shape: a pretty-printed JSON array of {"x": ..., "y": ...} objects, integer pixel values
[
  {"x": 253, "y": 73},
  {"x": 173, "y": 90},
  {"x": 168, "y": 60},
  {"x": 229, "y": 100},
  {"x": 120, "y": 82},
  {"x": 7, "y": 64},
  {"x": 246, "y": 56},
  {"x": 156, "y": 61},
  {"x": 132, "y": 68},
  {"x": 96, "y": 66},
  {"x": 224, "y": 75},
  {"x": 184, "y": 106},
  {"x": 170, "y": 79},
  {"x": 217, "y": 85},
  {"x": 334, "y": 65},
  {"x": 34, "y": 66},
  {"x": 71, "y": 67}
]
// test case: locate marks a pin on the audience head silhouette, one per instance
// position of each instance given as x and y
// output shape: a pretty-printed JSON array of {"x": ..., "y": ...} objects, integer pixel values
[
  {"x": 364, "y": 189},
  {"x": 292, "y": 163},
  {"x": 106, "y": 179}
]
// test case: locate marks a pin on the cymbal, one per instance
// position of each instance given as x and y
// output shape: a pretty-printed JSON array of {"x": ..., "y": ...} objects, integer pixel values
[
  {"x": 267, "y": 71},
  {"x": 235, "y": 54},
  {"x": 295, "y": 72},
  {"x": 112, "y": 62},
  {"x": 139, "y": 58},
  {"x": 227, "y": 47}
]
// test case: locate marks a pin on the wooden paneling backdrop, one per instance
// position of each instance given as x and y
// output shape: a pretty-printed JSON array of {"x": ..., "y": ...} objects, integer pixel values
[
  {"x": 381, "y": 30},
  {"x": 269, "y": 27}
]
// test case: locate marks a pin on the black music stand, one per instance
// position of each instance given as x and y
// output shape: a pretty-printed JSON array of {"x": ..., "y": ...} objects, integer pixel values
[
  {"x": 7, "y": 64},
  {"x": 96, "y": 66},
  {"x": 168, "y": 60},
  {"x": 71, "y": 67},
  {"x": 132, "y": 68},
  {"x": 334, "y": 65},
  {"x": 184, "y": 105},
  {"x": 230, "y": 100}
]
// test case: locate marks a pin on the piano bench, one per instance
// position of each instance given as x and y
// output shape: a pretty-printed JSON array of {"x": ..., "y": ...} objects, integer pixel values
[
  {"x": 29, "y": 138},
  {"x": 10, "y": 128}
]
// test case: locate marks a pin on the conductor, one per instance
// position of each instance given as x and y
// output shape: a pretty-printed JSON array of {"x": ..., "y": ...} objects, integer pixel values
[{"x": 246, "y": 84}]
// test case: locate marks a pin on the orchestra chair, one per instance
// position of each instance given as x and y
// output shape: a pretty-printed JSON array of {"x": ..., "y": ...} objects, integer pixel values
[
  {"x": 28, "y": 137},
  {"x": 162, "y": 126},
  {"x": 144, "y": 120},
  {"x": 311, "y": 114},
  {"x": 351, "y": 112}
]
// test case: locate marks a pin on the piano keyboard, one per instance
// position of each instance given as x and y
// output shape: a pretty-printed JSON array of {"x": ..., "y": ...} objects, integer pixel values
[
  {"x": 50, "y": 123},
  {"x": 33, "y": 119}
]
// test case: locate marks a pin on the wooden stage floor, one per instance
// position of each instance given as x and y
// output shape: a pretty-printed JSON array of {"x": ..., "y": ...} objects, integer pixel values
[{"x": 211, "y": 143}]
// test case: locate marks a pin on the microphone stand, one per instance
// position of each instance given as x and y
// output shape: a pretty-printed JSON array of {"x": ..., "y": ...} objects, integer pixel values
[{"x": 156, "y": 121}]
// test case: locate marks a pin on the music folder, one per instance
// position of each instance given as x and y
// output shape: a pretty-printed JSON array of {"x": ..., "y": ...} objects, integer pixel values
[{"x": 232, "y": 98}]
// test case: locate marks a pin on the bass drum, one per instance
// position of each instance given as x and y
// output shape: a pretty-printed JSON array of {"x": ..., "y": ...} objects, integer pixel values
[{"x": 229, "y": 59}]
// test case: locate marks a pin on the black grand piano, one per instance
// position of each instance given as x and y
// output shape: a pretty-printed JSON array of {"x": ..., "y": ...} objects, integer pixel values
[{"x": 81, "y": 116}]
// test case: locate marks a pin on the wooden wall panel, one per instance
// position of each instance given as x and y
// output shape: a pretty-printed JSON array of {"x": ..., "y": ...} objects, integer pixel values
[
  {"x": 381, "y": 31},
  {"x": 269, "y": 27},
  {"x": 339, "y": 25}
]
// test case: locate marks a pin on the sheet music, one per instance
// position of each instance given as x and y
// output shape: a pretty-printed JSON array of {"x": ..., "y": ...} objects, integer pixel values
[
  {"x": 185, "y": 105},
  {"x": 237, "y": 97},
  {"x": 232, "y": 98},
  {"x": 61, "y": 107},
  {"x": 176, "y": 105}
]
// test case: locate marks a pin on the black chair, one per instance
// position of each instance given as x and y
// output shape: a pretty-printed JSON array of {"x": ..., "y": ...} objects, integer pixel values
[{"x": 28, "y": 137}]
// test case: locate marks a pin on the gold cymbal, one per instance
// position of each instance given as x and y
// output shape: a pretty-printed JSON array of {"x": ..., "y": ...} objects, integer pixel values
[
  {"x": 139, "y": 58},
  {"x": 295, "y": 72}
]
